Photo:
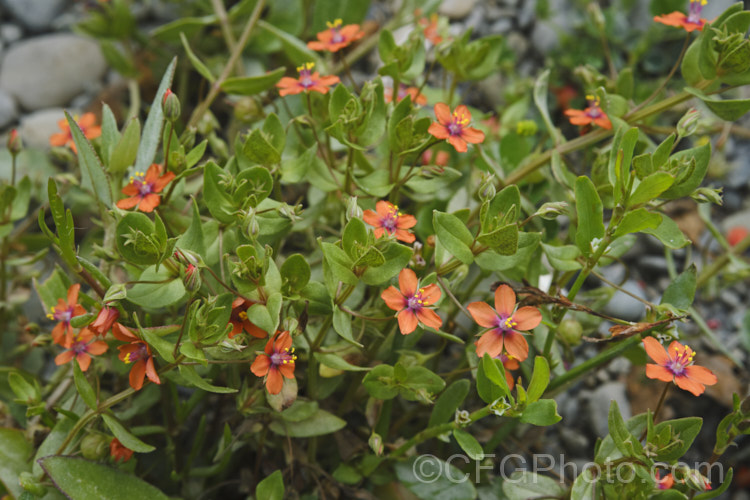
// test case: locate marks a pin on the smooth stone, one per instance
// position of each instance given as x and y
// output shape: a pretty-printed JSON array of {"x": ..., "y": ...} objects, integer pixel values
[
  {"x": 599, "y": 403},
  {"x": 10, "y": 33},
  {"x": 544, "y": 37},
  {"x": 456, "y": 9},
  {"x": 502, "y": 26},
  {"x": 76, "y": 63},
  {"x": 574, "y": 441},
  {"x": 36, "y": 127},
  {"x": 36, "y": 15},
  {"x": 652, "y": 263},
  {"x": 8, "y": 109},
  {"x": 527, "y": 13},
  {"x": 624, "y": 306}
]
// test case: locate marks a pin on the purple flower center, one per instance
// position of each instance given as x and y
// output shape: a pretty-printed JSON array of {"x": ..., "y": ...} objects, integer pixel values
[
  {"x": 64, "y": 315},
  {"x": 505, "y": 324},
  {"x": 144, "y": 188},
  {"x": 79, "y": 347},
  {"x": 416, "y": 301},
  {"x": 336, "y": 36},
  {"x": 694, "y": 11},
  {"x": 593, "y": 111},
  {"x": 390, "y": 221},
  {"x": 138, "y": 354},
  {"x": 683, "y": 357},
  {"x": 282, "y": 357},
  {"x": 305, "y": 80}
]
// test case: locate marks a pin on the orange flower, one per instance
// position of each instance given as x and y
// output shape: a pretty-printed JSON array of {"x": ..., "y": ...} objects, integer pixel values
[
  {"x": 88, "y": 126},
  {"x": 690, "y": 22},
  {"x": 509, "y": 363},
  {"x": 677, "y": 367},
  {"x": 306, "y": 82},
  {"x": 104, "y": 320},
  {"x": 440, "y": 158},
  {"x": 82, "y": 349},
  {"x": 412, "y": 302},
  {"x": 142, "y": 190},
  {"x": 118, "y": 451},
  {"x": 592, "y": 114},
  {"x": 736, "y": 234},
  {"x": 416, "y": 96},
  {"x": 504, "y": 322},
  {"x": 454, "y": 127},
  {"x": 336, "y": 37},
  {"x": 276, "y": 363},
  {"x": 430, "y": 29},
  {"x": 138, "y": 352},
  {"x": 389, "y": 220},
  {"x": 63, "y": 312},
  {"x": 239, "y": 320},
  {"x": 664, "y": 482}
]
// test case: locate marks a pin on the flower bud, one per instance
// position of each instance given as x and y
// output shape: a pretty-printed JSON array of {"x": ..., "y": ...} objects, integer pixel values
[
  {"x": 376, "y": 443},
  {"x": 697, "y": 481},
  {"x": 251, "y": 226},
  {"x": 487, "y": 189},
  {"x": 247, "y": 110},
  {"x": 708, "y": 195},
  {"x": 353, "y": 211},
  {"x": 552, "y": 210},
  {"x": 192, "y": 279},
  {"x": 170, "y": 105},
  {"x": 326, "y": 371},
  {"x": 115, "y": 292},
  {"x": 14, "y": 142},
  {"x": 94, "y": 446},
  {"x": 104, "y": 320},
  {"x": 596, "y": 15},
  {"x": 31, "y": 484},
  {"x": 187, "y": 258},
  {"x": 688, "y": 124},
  {"x": 527, "y": 128},
  {"x": 570, "y": 331},
  {"x": 119, "y": 452}
]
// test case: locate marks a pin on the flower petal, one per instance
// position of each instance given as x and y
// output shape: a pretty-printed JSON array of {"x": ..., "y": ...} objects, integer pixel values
[
  {"x": 84, "y": 361},
  {"x": 371, "y": 218},
  {"x": 443, "y": 113},
  {"x": 701, "y": 375},
  {"x": 527, "y": 318},
  {"x": 406, "y": 221},
  {"x": 97, "y": 348},
  {"x": 137, "y": 373},
  {"x": 655, "y": 351},
  {"x": 429, "y": 318},
  {"x": 64, "y": 357},
  {"x": 274, "y": 381},
  {"x": 472, "y": 135},
  {"x": 458, "y": 143},
  {"x": 151, "y": 371},
  {"x": 287, "y": 369},
  {"x": 516, "y": 345},
  {"x": 483, "y": 314},
  {"x": 689, "y": 385},
  {"x": 404, "y": 235},
  {"x": 260, "y": 365},
  {"x": 431, "y": 294},
  {"x": 407, "y": 321},
  {"x": 149, "y": 203},
  {"x": 490, "y": 343},
  {"x": 393, "y": 298},
  {"x": 658, "y": 372},
  {"x": 128, "y": 203},
  {"x": 438, "y": 131},
  {"x": 407, "y": 282},
  {"x": 505, "y": 300}
]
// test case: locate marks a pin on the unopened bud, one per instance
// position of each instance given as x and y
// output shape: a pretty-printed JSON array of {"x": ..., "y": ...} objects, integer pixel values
[
  {"x": 192, "y": 279},
  {"x": 187, "y": 258},
  {"x": 94, "y": 446},
  {"x": 708, "y": 195},
  {"x": 552, "y": 210},
  {"x": 170, "y": 105},
  {"x": 14, "y": 142},
  {"x": 376, "y": 443},
  {"x": 353, "y": 211},
  {"x": 527, "y": 128},
  {"x": 570, "y": 331},
  {"x": 248, "y": 110},
  {"x": 487, "y": 189},
  {"x": 688, "y": 124},
  {"x": 251, "y": 226},
  {"x": 596, "y": 15},
  {"x": 115, "y": 292},
  {"x": 697, "y": 481}
]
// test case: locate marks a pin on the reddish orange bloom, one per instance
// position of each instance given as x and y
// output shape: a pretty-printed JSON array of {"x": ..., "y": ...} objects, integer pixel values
[
  {"x": 690, "y": 22},
  {"x": 440, "y": 158},
  {"x": 416, "y": 96},
  {"x": 665, "y": 482},
  {"x": 239, "y": 320},
  {"x": 119, "y": 452},
  {"x": 88, "y": 126},
  {"x": 412, "y": 302},
  {"x": 736, "y": 234},
  {"x": 276, "y": 363},
  {"x": 504, "y": 322},
  {"x": 509, "y": 363},
  {"x": 592, "y": 114},
  {"x": 454, "y": 127},
  {"x": 306, "y": 82},
  {"x": 677, "y": 367},
  {"x": 63, "y": 312},
  {"x": 387, "y": 219},
  {"x": 82, "y": 349},
  {"x": 138, "y": 352},
  {"x": 336, "y": 37},
  {"x": 430, "y": 29},
  {"x": 104, "y": 320},
  {"x": 142, "y": 189}
]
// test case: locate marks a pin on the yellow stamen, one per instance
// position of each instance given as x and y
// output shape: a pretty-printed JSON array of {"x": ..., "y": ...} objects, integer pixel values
[
  {"x": 242, "y": 315},
  {"x": 509, "y": 323},
  {"x": 335, "y": 24},
  {"x": 127, "y": 358},
  {"x": 460, "y": 118}
]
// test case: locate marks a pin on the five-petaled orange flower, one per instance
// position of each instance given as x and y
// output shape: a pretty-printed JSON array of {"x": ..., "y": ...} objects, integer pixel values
[
  {"x": 592, "y": 114},
  {"x": 336, "y": 37},
  {"x": 306, "y": 82},
  {"x": 138, "y": 352},
  {"x": 454, "y": 127},
  {"x": 664, "y": 482},
  {"x": 82, "y": 349},
  {"x": 88, "y": 126},
  {"x": 63, "y": 312},
  {"x": 387, "y": 219},
  {"x": 430, "y": 29},
  {"x": 690, "y": 22},
  {"x": 412, "y": 302},
  {"x": 143, "y": 189},
  {"x": 416, "y": 96},
  {"x": 504, "y": 322},
  {"x": 276, "y": 363},
  {"x": 239, "y": 320},
  {"x": 104, "y": 320},
  {"x": 119, "y": 452},
  {"x": 676, "y": 365}
]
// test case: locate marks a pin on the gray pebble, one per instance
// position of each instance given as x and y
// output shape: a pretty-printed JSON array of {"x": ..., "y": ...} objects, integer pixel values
[
  {"x": 36, "y": 15},
  {"x": 8, "y": 109},
  {"x": 599, "y": 403},
  {"x": 624, "y": 306},
  {"x": 36, "y": 127}
]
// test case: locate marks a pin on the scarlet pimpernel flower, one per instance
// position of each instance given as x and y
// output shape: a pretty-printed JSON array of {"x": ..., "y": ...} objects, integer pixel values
[
  {"x": 88, "y": 126},
  {"x": 416, "y": 96},
  {"x": 664, "y": 482},
  {"x": 676, "y": 365},
  {"x": 454, "y": 127},
  {"x": 336, "y": 37},
  {"x": 412, "y": 302},
  {"x": 143, "y": 189},
  {"x": 104, "y": 320},
  {"x": 63, "y": 312},
  {"x": 690, "y": 22},
  {"x": 239, "y": 321},
  {"x": 430, "y": 28},
  {"x": 592, "y": 114},
  {"x": 81, "y": 349},
  {"x": 504, "y": 323},
  {"x": 119, "y": 452},
  {"x": 138, "y": 352},
  {"x": 387, "y": 219},
  {"x": 277, "y": 363},
  {"x": 307, "y": 82}
]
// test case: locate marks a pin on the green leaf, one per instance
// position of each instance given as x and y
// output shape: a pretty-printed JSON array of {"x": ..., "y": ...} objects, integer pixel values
[
  {"x": 84, "y": 387},
  {"x": 271, "y": 488},
  {"x": 338, "y": 363},
  {"x": 503, "y": 240},
  {"x": 124, "y": 152},
  {"x": 215, "y": 193},
  {"x": 152, "y": 128},
  {"x": 318, "y": 424},
  {"x": 540, "y": 99},
  {"x": 636, "y": 221},
  {"x": 607, "y": 451},
  {"x": 681, "y": 292},
  {"x": 669, "y": 233},
  {"x": 170, "y": 291},
  {"x": 453, "y": 235},
  {"x": 650, "y": 188},
  {"x": 295, "y": 272},
  {"x": 190, "y": 26},
  {"x": 124, "y": 436},
  {"x": 396, "y": 258},
  {"x": 448, "y": 402},
  {"x": 253, "y": 186},
  {"x": 53, "y": 288},
  {"x": 20, "y": 206},
  {"x": 523, "y": 485},
  {"x": 252, "y": 85},
  {"x": 685, "y": 187},
  {"x": 93, "y": 175},
  {"x": 620, "y": 158},
  {"x": 83, "y": 480},
  {"x": 354, "y": 238},
  {"x": 193, "y": 239},
  {"x": 342, "y": 323},
  {"x": 584, "y": 485},
  {"x": 379, "y": 382},
  {"x": 726, "y": 109},
  {"x": 718, "y": 491},
  {"x": 539, "y": 379},
  {"x": 260, "y": 150},
  {"x": 469, "y": 444},
  {"x": 295, "y": 49},
  {"x": 541, "y": 413},
  {"x": 189, "y": 373},
  {"x": 626, "y": 442},
  {"x": 429, "y": 478},
  {"x": 110, "y": 134},
  {"x": 495, "y": 372},
  {"x": 196, "y": 62},
  {"x": 563, "y": 257},
  {"x": 590, "y": 214},
  {"x": 14, "y": 455},
  {"x": 420, "y": 380},
  {"x": 339, "y": 263},
  {"x": 349, "y": 11},
  {"x": 164, "y": 347},
  {"x": 684, "y": 432}
]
